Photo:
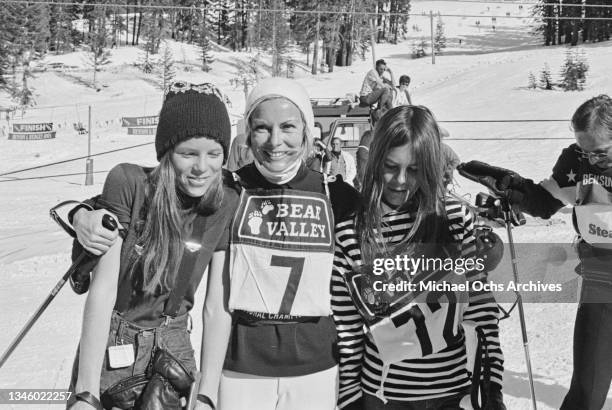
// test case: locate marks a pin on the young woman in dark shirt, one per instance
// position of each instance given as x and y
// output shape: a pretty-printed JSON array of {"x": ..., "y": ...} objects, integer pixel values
[{"x": 175, "y": 220}]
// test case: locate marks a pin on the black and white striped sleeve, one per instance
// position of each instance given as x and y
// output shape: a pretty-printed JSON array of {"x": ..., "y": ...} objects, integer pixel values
[
  {"x": 482, "y": 310},
  {"x": 349, "y": 324}
]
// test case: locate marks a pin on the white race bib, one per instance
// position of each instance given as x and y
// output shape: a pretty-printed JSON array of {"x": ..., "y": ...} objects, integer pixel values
[
  {"x": 595, "y": 224},
  {"x": 282, "y": 253}
]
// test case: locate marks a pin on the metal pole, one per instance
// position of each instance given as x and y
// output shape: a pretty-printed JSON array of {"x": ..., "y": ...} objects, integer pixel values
[
  {"x": 508, "y": 218},
  {"x": 89, "y": 131},
  {"x": 373, "y": 41},
  {"x": 26, "y": 328},
  {"x": 89, "y": 161},
  {"x": 433, "y": 52}
]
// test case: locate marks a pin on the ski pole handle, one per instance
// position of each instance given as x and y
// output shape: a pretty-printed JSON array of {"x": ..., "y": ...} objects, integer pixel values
[{"x": 109, "y": 222}]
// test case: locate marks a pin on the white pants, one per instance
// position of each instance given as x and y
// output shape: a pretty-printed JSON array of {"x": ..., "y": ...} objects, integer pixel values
[{"x": 316, "y": 391}]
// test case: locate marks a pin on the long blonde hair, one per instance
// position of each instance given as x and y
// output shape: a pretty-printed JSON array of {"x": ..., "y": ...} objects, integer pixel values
[
  {"x": 165, "y": 219},
  {"x": 414, "y": 125}
]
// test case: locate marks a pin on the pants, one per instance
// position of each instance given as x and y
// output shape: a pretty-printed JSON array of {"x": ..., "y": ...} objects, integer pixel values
[
  {"x": 442, "y": 403},
  {"x": 240, "y": 391},
  {"x": 173, "y": 336},
  {"x": 382, "y": 96},
  {"x": 592, "y": 371}
]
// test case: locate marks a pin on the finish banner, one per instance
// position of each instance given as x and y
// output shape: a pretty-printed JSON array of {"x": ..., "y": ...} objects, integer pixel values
[
  {"x": 32, "y": 136},
  {"x": 141, "y": 131},
  {"x": 148, "y": 121},
  {"x": 38, "y": 127}
]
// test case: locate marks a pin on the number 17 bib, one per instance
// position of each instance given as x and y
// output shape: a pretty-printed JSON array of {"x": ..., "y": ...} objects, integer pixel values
[{"x": 282, "y": 252}]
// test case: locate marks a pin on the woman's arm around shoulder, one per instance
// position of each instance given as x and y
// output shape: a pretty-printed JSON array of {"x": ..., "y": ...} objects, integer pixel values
[
  {"x": 217, "y": 326},
  {"x": 96, "y": 320}
]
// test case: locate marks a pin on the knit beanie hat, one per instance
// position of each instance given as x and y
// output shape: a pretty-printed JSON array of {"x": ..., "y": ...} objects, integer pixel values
[
  {"x": 281, "y": 87},
  {"x": 189, "y": 111}
]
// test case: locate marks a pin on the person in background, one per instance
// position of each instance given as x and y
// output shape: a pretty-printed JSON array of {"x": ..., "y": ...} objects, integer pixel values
[
  {"x": 240, "y": 154},
  {"x": 582, "y": 178},
  {"x": 401, "y": 96},
  {"x": 341, "y": 162},
  {"x": 321, "y": 156},
  {"x": 376, "y": 88},
  {"x": 450, "y": 159}
]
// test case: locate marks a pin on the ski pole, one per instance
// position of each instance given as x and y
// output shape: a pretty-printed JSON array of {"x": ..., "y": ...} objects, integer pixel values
[
  {"x": 508, "y": 218},
  {"x": 109, "y": 223}
]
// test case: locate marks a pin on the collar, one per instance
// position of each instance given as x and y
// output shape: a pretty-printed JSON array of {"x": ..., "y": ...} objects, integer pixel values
[
  {"x": 279, "y": 178},
  {"x": 255, "y": 178}
]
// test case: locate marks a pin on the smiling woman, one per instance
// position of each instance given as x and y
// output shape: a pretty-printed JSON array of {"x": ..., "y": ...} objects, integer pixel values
[
  {"x": 277, "y": 136},
  {"x": 135, "y": 349},
  {"x": 197, "y": 163},
  {"x": 276, "y": 304}
]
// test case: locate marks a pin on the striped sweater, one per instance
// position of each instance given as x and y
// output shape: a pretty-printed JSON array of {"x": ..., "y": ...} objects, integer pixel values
[{"x": 436, "y": 375}]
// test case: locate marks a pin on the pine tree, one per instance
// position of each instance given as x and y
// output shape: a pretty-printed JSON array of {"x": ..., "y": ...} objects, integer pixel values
[
  {"x": 155, "y": 29},
  {"x": 41, "y": 27},
  {"x": 573, "y": 71},
  {"x": 545, "y": 78},
  {"x": 440, "y": 38},
  {"x": 61, "y": 30},
  {"x": 205, "y": 55},
  {"x": 24, "y": 95},
  {"x": 145, "y": 63},
  {"x": 167, "y": 72},
  {"x": 532, "y": 84},
  {"x": 97, "y": 41}
]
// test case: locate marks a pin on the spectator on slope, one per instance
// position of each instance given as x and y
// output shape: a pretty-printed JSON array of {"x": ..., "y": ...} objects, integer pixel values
[
  {"x": 321, "y": 156},
  {"x": 582, "y": 178},
  {"x": 401, "y": 95},
  {"x": 240, "y": 154},
  {"x": 341, "y": 162},
  {"x": 376, "y": 88}
]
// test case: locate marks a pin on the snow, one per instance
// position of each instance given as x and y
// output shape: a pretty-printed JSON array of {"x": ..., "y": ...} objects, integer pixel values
[{"x": 484, "y": 78}]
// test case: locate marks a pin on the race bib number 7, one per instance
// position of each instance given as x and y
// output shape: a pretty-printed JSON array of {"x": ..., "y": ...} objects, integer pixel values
[{"x": 282, "y": 253}]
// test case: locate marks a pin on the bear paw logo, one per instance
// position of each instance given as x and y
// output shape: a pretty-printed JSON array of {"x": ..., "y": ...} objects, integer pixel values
[
  {"x": 254, "y": 222},
  {"x": 266, "y": 206}
]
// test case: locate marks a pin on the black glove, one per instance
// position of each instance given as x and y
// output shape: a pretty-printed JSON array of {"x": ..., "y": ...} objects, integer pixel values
[
  {"x": 170, "y": 381},
  {"x": 489, "y": 246},
  {"x": 160, "y": 395},
  {"x": 500, "y": 181},
  {"x": 495, "y": 398},
  {"x": 165, "y": 364},
  {"x": 494, "y": 209}
]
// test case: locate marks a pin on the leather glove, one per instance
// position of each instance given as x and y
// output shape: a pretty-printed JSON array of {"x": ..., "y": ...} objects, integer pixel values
[
  {"x": 489, "y": 246},
  {"x": 501, "y": 182},
  {"x": 160, "y": 395},
  {"x": 165, "y": 364},
  {"x": 170, "y": 381},
  {"x": 495, "y": 399}
]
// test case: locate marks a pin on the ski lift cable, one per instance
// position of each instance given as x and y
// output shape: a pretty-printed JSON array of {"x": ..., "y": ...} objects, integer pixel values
[
  {"x": 74, "y": 159},
  {"x": 52, "y": 176},
  {"x": 267, "y": 10}
]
